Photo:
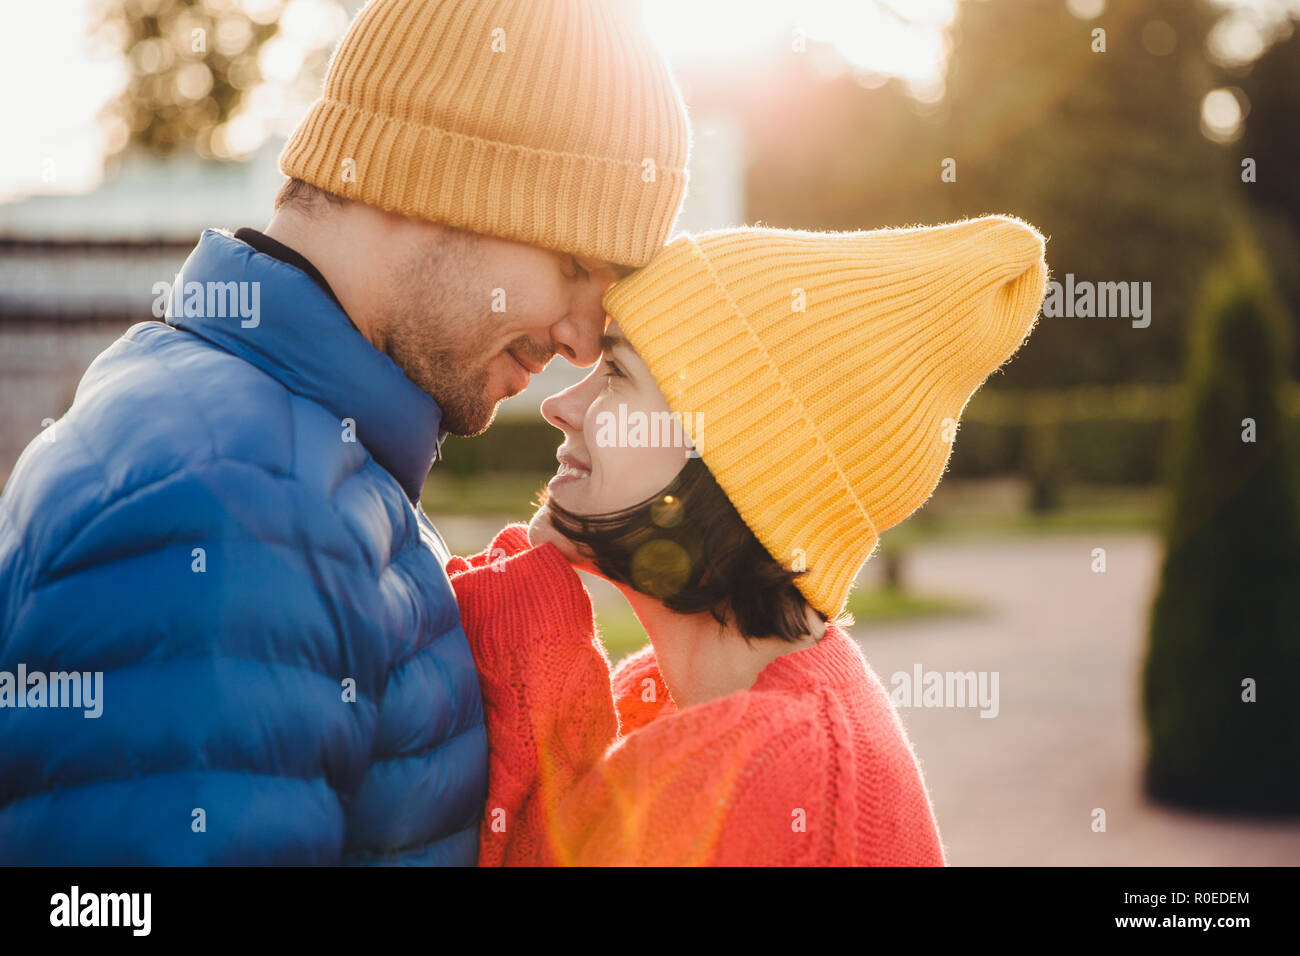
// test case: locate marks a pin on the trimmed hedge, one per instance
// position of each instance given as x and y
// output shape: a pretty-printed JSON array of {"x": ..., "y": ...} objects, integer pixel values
[
  {"x": 512, "y": 445},
  {"x": 1104, "y": 450},
  {"x": 1221, "y": 679}
]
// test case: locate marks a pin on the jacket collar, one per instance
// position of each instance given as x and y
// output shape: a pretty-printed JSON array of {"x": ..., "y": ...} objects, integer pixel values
[{"x": 290, "y": 329}]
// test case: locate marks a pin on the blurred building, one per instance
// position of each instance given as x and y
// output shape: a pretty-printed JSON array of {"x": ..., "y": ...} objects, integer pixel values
[{"x": 76, "y": 271}]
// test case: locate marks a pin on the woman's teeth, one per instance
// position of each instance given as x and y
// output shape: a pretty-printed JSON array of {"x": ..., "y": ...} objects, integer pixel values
[{"x": 571, "y": 472}]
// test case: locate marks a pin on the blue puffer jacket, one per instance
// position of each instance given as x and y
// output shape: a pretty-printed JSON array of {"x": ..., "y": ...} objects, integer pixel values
[{"x": 226, "y": 525}]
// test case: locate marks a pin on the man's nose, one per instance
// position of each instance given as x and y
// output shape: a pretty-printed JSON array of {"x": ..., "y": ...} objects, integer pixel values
[{"x": 577, "y": 335}]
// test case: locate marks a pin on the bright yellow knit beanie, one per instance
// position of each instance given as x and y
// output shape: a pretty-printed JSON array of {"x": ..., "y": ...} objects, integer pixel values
[
  {"x": 550, "y": 122},
  {"x": 821, "y": 376}
]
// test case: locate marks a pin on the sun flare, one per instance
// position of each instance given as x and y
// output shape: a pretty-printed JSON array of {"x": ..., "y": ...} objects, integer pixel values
[{"x": 873, "y": 36}]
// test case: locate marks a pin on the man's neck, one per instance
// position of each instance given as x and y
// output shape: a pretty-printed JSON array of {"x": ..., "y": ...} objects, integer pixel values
[
  {"x": 279, "y": 250},
  {"x": 318, "y": 243},
  {"x": 702, "y": 660}
]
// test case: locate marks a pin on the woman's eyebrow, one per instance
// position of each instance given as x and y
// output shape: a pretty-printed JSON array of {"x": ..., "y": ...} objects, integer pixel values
[{"x": 610, "y": 342}]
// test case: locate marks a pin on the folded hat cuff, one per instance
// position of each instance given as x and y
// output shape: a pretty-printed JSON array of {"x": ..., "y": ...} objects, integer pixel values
[
  {"x": 744, "y": 420},
  {"x": 593, "y": 206}
]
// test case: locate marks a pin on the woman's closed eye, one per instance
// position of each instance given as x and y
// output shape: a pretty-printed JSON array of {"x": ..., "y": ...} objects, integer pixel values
[{"x": 612, "y": 370}]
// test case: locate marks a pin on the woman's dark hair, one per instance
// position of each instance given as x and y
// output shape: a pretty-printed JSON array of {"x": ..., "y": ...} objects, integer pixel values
[{"x": 688, "y": 547}]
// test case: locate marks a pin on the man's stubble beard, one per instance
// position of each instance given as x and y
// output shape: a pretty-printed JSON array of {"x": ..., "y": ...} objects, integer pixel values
[
  {"x": 434, "y": 335},
  {"x": 459, "y": 388}
]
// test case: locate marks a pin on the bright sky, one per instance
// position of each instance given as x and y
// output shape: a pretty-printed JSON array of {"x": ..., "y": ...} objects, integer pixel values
[
  {"x": 54, "y": 143},
  {"x": 53, "y": 90},
  {"x": 864, "y": 32},
  {"x": 55, "y": 82}
]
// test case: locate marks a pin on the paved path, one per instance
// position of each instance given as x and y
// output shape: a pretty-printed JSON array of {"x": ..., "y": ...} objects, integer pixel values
[{"x": 1068, "y": 644}]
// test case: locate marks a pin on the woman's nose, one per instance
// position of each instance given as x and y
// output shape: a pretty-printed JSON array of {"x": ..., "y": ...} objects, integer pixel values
[{"x": 566, "y": 410}]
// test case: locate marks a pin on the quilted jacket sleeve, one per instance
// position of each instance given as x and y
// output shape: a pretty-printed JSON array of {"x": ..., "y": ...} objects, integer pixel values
[{"x": 225, "y": 651}]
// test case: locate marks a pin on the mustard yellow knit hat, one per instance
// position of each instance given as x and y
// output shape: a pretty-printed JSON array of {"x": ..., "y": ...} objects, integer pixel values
[
  {"x": 821, "y": 376},
  {"x": 551, "y": 122}
]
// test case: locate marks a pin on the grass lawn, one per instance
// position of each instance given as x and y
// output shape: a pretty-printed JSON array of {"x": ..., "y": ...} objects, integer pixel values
[
  {"x": 882, "y": 604},
  {"x": 622, "y": 632}
]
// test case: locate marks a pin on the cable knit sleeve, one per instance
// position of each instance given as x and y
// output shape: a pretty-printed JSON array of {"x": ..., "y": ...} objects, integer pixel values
[{"x": 545, "y": 677}]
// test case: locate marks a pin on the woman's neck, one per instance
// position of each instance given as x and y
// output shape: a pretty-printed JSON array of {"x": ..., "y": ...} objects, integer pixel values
[{"x": 700, "y": 659}]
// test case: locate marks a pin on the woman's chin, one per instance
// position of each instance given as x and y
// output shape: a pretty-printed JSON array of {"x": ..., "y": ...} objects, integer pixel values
[{"x": 541, "y": 531}]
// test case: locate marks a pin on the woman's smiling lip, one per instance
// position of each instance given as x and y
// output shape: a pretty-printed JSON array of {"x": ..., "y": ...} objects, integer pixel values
[
  {"x": 570, "y": 470},
  {"x": 565, "y": 458}
]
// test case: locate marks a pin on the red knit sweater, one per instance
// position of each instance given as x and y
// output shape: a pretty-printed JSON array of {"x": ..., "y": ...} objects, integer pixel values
[{"x": 810, "y": 766}]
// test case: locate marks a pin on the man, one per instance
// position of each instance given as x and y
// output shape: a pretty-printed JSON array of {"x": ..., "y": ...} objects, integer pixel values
[{"x": 227, "y": 631}]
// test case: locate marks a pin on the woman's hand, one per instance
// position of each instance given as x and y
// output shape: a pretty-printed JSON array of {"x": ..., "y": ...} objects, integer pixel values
[
  {"x": 541, "y": 531},
  {"x": 517, "y": 602},
  {"x": 514, "y": 538},
  {"x": 509, "y": 541}
]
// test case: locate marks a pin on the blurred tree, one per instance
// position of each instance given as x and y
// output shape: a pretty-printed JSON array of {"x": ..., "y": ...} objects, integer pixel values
[
  {"x": 893, "y": 557},
  {"x": 1272, "y": 135},
  {"x": 1042, "y": 456},
  {"x": 194, "y": 66},
  {"x": 1227, "y": 610},
  {"x": 190, "y": 64},
  {"x": 1272, "y": 140},
  {"x": 1102, "y": 151}
]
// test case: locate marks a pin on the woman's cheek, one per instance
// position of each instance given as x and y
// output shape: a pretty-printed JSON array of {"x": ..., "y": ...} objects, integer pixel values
[{"x": 600, "y": 428}]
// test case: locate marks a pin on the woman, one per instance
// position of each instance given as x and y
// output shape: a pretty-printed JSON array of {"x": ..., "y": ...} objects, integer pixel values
[{"x": 819, "y": 378}]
